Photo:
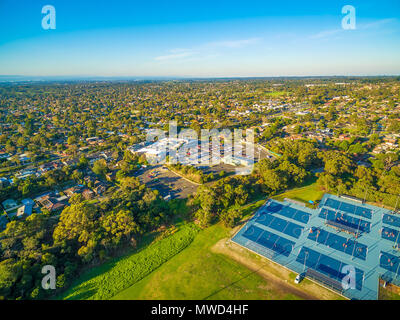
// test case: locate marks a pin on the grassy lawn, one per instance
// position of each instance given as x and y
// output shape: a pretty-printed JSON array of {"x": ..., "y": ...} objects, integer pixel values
[
  {"x": 303, "y": 194},
  {"x": 199, "y": 273},
  {"x": 249, "y": 209},
  {"x": 108, "y": 279},
  {"x": 277, "y": 93}
]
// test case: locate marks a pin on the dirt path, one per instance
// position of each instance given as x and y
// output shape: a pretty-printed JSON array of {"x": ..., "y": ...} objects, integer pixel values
[{"x": 276, "y": 275}]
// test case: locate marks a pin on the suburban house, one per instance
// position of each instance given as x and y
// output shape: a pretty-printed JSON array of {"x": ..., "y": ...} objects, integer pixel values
[
  {"x": 9, "y": 205},
  {"x": 79, "y": 189},
  {"x": 26, "y": 208},
  {"x": 51, "y": 202}
]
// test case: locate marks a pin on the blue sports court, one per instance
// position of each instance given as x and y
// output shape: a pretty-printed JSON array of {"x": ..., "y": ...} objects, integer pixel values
[{"x": 325, "y": 243}]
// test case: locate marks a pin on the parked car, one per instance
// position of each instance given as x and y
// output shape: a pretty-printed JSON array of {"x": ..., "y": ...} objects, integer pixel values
[{"x": 299, "y": 277}]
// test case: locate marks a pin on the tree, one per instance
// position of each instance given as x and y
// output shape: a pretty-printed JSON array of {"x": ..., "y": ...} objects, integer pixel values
[
  {"x": 100, "y": 167},
  {"x": 72, "y": 140},
  {"x": 337, "y": 163},
  {"x": 241, "y": 195},
  {"x": 273, "y": 180},
  {"x": 118, "y": 226},
  {"x": 363, "y": 173},
  {"x": 385, "y": 161},
  {"x": 9, "y": 274},
  {"x": 83, "y": 162},
  {"x": 76, "y": 198},
  {"x": 231, "y": 216},
  {"x": 206, "y": 200},
  {"x": 326, "y": 181},
  {"x": 203, "y": 217},
  {"x": 292, "y": 172},
  {"x": 389, "y": 183},
  {"x": 78, "y": 223},
  {"x": 357, "y": 149},
  {"x": 128, "y": 184},
  {"x": 374, "y": 140},
  {"x": 77, "y": 175},
  {"x": 394, "y": 126}
]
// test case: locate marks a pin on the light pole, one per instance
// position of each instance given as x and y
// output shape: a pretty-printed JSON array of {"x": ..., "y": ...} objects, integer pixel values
[
  {"x": 365, "y": 195},
  {"x": 397, "y": 239},
  {"x": 397, "y": 270}
]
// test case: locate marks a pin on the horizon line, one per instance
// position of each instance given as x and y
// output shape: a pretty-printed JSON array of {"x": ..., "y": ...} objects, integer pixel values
[{"x": 80, "y": 77}]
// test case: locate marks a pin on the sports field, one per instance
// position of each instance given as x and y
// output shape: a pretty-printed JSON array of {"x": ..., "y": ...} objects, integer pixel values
[{"x": 198, "y": 273}]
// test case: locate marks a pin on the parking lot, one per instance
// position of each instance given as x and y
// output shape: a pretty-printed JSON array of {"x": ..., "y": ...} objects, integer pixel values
[
  {"x": 166, "y": 182},
  {"x": 227, "y": 168}
]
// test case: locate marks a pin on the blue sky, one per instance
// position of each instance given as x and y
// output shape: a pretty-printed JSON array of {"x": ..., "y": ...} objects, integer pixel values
[{"x": 205, "y": 38}]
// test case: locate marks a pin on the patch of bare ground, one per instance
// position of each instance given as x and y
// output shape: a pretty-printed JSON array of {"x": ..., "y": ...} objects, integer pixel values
[{"x": 390, "y": 292}]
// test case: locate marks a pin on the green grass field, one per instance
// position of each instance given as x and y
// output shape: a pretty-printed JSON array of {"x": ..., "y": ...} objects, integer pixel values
[
  {"x": 303, "y": 194},
  {"x": 104, "y": 281},
  {"x": 199, "y": 273},
  {"x": 277, "y": 93}
]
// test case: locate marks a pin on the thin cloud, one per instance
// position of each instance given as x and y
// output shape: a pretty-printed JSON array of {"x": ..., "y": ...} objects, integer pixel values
[
  {"x": 235, "y": 43},
  {"x": 365, "y": 26},
  {"x": 204, "y": 50},
  {"x": 377, "y": 24},
  {"x": 326, "y": 33},
  {"x": 176, "y": 54}
]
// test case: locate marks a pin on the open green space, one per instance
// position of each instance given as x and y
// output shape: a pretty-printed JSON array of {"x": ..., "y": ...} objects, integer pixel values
[
  {"x": 303, "y": 194},
  {"x": 105, "y": 281},
  {"x": 277, "y": 93},
  {"x": 199, "y": 273}
]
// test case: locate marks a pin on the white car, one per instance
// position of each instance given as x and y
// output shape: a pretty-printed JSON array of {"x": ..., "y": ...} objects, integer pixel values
[{"x": 299, "y": 277}]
